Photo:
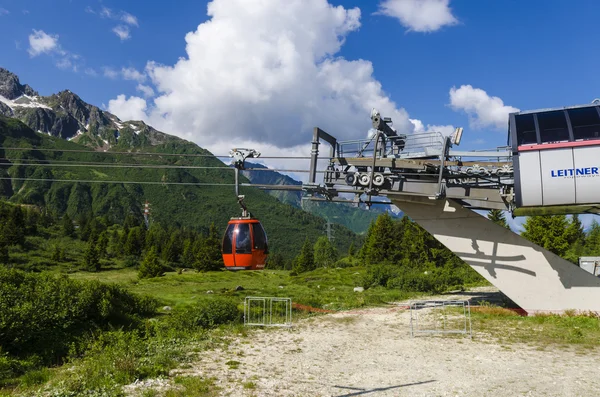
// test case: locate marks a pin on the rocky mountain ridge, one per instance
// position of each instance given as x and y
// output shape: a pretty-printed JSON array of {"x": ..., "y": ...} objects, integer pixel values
[{"x": 65, "y": 115}]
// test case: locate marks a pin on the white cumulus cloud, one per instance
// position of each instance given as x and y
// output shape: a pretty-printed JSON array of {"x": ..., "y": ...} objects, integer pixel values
[
  {"x": 146, "y": 90},
  {"x": 483, "y": 110},
  {"x": 266, "y": 71},
  {"x": 110, "y": 72},
  {"x": 445, "y": 130},
  {"x": 129, "y": 19},
  {"x": 41, "y": 42},
  {"x": 4, "y": 11},
  {"x": 133, "y": 108},
  {"x": 122, "y": 32},
  {"x": 133, "y": 74},
  {"x": 419, "y": 15}
]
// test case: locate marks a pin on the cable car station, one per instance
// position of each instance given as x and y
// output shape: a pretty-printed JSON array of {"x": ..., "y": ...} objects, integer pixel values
[{"x": 549, "y": 166}]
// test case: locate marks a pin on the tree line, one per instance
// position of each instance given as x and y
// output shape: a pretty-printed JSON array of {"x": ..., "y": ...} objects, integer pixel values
[
  {"x": 562, "y": 235},
  {"x": 153, "y": 249}
]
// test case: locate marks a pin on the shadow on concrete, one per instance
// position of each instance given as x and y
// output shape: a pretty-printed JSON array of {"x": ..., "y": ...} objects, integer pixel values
[
  {"x": 359, "y": 391},
  {"x": 479, "y": 298}
]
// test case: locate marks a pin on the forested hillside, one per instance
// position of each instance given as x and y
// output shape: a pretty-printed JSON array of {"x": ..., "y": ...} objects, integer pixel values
[{"x": 179, "y": 196}]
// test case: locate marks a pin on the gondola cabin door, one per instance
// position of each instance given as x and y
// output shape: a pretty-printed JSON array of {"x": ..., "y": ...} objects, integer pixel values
[{"x": 244, "y": 245}]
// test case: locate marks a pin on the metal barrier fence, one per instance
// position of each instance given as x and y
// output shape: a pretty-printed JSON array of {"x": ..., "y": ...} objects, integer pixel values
[
  {"x": 268, "y": 311},
  {"x": 440, "y": 317}
]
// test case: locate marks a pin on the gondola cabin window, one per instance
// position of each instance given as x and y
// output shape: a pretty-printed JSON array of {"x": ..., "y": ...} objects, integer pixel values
[
  {"x": 260, "y": 238},
  {"x": 525, "y": 129},
  {"x": 553, "y": 127},
  {"x": 228, "y": 240},
  {"x": 243, "y": 241},
  {"x": 585, "y": 123}
]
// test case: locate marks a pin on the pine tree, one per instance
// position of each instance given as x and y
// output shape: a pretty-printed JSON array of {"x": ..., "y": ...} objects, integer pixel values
[
  {"x": 14, "y": 232},
  {"x": 275, "y": 261},
  {"x": 91, "y": 258},
  {"x": 592, "y": 240},
  {"x": 188, "y": 256},
  {"x": 209, "y": 256},
  {"x": 497, "y": 216},
  {"x": 134, "y": 244},
  {"x": 575, "y": 230},
  {"x": 150, "y": 266},
  {"x": 549, "y": 232},
  {"x": 103, "y": 245},
  {"x": 4, "y": 257},
  {"x": 380, "y": 241},
  {"x": 325, "y": 254},
  {"x": 305, "y": 261},
  {"x": 67, "y": 227},
  {"x": 352, "y": 250}
]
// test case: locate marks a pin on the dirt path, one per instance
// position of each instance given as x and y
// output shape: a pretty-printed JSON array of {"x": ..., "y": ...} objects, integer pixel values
[{"x": 371, "y": 353}]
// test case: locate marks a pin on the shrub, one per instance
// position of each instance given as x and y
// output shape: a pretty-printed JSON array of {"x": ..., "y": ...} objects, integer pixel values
[
  {"x": 206, "y": 314},
  {"x": 42, "y": 314},
  {"x": 379, "y": 275}
]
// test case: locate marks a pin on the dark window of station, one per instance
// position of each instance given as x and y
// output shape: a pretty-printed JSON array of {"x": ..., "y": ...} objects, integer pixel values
[
  {"x": 243, "y": 242},
  {"x": 525, "y": 129},
  {"x": 553, "y": 127},
  {"x": 228, "y": 240},
  {"x": 260, "y": 239},
  {"x": 585, "y": 123}
]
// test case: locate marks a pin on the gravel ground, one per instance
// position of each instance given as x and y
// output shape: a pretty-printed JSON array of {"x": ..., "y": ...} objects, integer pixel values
[{"x": 370, "y": 352}]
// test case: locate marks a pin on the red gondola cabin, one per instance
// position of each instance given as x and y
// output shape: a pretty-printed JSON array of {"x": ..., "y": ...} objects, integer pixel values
[{"x": 244, "y": 245}]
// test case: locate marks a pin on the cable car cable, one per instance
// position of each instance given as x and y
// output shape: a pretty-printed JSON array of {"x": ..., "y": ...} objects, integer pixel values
[{"x": 154, "y": 153}]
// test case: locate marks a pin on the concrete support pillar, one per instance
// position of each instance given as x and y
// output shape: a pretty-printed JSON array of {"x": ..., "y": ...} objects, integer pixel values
[{"x": 534, "y": 278}]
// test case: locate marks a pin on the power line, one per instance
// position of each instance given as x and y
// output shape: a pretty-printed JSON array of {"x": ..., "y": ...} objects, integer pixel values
[
  {"x": 46, "y": 163},
  {"x": 117, "y": 182},
  {"x": 258, "y": 186},
  {"x": 154, "y": 153}
]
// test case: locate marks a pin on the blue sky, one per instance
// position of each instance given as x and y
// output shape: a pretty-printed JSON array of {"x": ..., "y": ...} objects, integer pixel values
[
  {"x": 532, "y": 54},
  {"x": 529, "y": 54}
]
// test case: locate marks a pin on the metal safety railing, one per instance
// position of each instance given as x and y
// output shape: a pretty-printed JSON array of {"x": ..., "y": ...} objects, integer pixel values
[
  {"x": 410, "y": 145},
  {"x": 440, "y": 317},
  {"x": 268, "y": 311}
]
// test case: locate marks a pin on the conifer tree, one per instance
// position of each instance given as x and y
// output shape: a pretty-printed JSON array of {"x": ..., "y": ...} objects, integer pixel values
[
  {"x": 275, "y": 261},
  {"x": 575, "y": 230},
  {"x": 352, "y": 250},
  {"x": 67, "y": 227},
  {"x": 497, "y": 216},
  {"x": 188, "y": 256},
  {"x": 4, "y": 257},
  {"x": 549, "y": 232},
  {"x": 150, "y": 266},
  {"x": 91, "y": 258},
  {"x": 325, "y": 254},
  {"x": 380, "y": 241},
  {"x": 305, "y": 261},
  {"x": 14, "y": 232},
  {"x": 209, "y": 256},
  {"x": 103, "y": 245}
]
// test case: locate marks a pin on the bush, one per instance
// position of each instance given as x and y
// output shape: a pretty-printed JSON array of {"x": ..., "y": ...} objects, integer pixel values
[
  {"x": 379, "y": 275},
  {"x": 206, "y": 314},
  {"x": 347, "y": 262},
  {"x": 44, "y": 315},
  {"x": 430, "y": 280}
]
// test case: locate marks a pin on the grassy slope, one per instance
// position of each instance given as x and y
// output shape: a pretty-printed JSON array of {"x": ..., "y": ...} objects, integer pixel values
[{"x": 323, "y": 288}]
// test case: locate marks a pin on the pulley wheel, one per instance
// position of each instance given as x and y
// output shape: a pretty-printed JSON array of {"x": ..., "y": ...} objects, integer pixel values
[
  {"x": 378, "y": 180},
  {"x": 364, "y": 179}
]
